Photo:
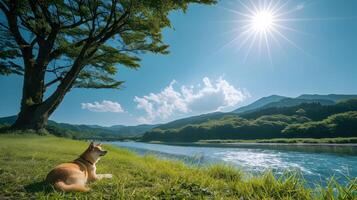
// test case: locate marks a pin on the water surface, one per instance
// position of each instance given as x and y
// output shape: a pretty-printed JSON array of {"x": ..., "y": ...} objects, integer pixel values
[{"x": 315, "y": 163}]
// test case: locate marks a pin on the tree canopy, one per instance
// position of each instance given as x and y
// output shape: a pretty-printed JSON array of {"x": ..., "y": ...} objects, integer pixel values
[
  {"x": 91, "y": 34},
  {"x": 77, "y": 43}
]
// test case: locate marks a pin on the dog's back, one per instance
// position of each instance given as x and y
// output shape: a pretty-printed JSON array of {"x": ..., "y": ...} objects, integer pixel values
[{"x": 69, "y": 177}]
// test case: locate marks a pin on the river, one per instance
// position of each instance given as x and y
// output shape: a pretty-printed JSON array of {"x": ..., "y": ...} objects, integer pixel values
[{"x": 316, "y": 163}]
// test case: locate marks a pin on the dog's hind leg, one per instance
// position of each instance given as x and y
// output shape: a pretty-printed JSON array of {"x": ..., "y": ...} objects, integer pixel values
[{"x": 60, "y": 185}]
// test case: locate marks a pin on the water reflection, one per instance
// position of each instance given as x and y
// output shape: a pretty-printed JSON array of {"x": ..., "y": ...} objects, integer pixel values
[
  {"x": 342, "y": 149},
  {"x": 316, "y": 163}
]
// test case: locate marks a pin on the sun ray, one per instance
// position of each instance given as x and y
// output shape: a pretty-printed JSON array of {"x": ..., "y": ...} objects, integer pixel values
[
  {"x": 250, "y": 46},
  {"x": 233, "y": 30},
  {"x": 227, "y": 44},
  {"x": 275, "y": 39},
  {"x": 291, "y": 29},
  {"x": 281, "y": 7},
  {"x": 291, "y": 42},
  {"x": 254, "y": 6},
  {"x": 246, "y": 32},
  {"x": 312, "y": 19},
  {"x": 264, "y": 25},
  {"x": 260, "y": 44},
  {"x": 287, "y": 12},
  {"x": 275, "y": 7},
  {"x": 269, "y": 5},
  {"x": 237, "y": 12},
  {"x": 268, "y": 47},
  {"x": 246, "y": 7},
  {"x": 246, "y": 39}
]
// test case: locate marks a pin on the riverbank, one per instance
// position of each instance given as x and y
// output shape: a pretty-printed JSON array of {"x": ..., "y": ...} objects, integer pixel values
[
  {"x": 26, "y": 159},
  {"x": 350, "y": 141}
]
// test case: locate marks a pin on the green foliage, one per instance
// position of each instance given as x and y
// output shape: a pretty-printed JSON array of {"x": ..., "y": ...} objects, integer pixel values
[
  {"x": 8, "y": 53},
  {"x": 227, "y": 127},
  {"x": 301, "y": 111},
  {"x": 26, "y": 159},
  {"x": 278, "y": 123},
  {"x": 338, "y": 140},
  {"x": 342, "y": 124},
  {"x": 313, "y": 111},
  {"x": 86, "y": 131},
  {"x": 76, "y": 43},
  {"x": 97, "y": 35},
  {"x": 225, "y": 172}
]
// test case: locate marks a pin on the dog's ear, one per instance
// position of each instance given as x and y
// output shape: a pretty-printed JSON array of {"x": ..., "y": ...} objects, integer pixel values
[
  {"x": 91, "y": 145},
  {"x": 99, "y": 144}
]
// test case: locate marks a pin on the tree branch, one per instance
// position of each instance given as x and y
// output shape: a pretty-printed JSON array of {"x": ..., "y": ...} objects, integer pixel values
[
  {"x": 53, "y": 82},
  {"x": 13, "y": 26},
  {"x": 3, "y": 7},
  {"x": 46, "y": 13},
  {"x": 3, "y": 25}
]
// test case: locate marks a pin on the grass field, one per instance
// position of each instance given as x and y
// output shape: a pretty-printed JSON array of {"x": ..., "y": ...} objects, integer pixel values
[{"x": 26, "y": 159}]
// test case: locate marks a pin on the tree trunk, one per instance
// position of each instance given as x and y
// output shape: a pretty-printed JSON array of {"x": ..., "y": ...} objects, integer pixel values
[
  {"x": 32, "y": 117},
  {"x": 34, "y": 110}
]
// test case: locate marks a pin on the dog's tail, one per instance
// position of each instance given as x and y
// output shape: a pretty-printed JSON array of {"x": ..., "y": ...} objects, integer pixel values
[{"x": 60, "y": 185}]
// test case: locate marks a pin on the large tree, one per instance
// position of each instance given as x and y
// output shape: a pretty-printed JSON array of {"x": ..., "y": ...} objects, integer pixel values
[{"x": 76, "y": 43}]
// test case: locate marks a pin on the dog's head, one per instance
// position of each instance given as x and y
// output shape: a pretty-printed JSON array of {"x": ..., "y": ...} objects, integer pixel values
[{"x": 94, "y": 152}]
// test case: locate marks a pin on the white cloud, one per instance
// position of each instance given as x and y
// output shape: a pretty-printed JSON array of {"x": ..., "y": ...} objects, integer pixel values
[
  {"x": 209, "y": 97},
  {"x": 104, "y": 106}
]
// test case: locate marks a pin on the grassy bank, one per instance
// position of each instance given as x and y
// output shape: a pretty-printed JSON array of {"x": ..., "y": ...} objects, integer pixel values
[
  {"x": 26, "y": 159},
  {"x": 347, "y": 140}
]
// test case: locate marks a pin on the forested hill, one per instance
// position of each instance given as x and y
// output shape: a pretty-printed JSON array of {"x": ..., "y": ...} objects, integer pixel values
[
  {"x": 306, "y": 120},
  {"x": 282, "y": 101},
  {"x": 89, "y": 131}
]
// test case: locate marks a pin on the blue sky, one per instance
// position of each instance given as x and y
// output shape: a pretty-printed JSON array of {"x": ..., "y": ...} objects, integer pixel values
[{"x": 202, "y": 74}]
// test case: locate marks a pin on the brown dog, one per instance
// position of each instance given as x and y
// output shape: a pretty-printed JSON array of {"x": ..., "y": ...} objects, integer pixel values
[{"x": 74, "y": 175}]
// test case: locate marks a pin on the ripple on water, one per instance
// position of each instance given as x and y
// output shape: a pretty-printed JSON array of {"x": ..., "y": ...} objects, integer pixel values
[
  {"x": 316, "y": 166},
  {"x": 256, "y": 161}
]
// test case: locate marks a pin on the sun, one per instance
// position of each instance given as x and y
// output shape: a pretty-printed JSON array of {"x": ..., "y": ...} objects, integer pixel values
[
  {"x": 262, "y": 25},
  {"x": 262, "y": 21}
]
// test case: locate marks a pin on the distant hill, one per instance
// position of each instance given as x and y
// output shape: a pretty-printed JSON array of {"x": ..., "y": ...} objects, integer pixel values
[
  {"x": 7, "y": 120},
  {"x": 331, "y": 97},
  {"x": 131, "y": 130},
  {"x": 281, "y": 101},
  {"x": 192, "y": 120},
  {"x": 267, "y": 117},
  {"x": 89, "y": 131},
  {"x": 306, "y": 120},
  {"x": 289, "y": 102},
  {"x": 259, "y": 103}
]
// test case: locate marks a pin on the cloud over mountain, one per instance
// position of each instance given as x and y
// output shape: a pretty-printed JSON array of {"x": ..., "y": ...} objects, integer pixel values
[
  {"x": 104, "y": 106},
  {"x": 212, "y": 96}
]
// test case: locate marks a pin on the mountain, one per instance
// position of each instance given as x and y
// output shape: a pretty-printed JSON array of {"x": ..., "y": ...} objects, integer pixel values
[
  {"x": 281, "y": 101},
  {"x": 289, "y": 102},
  {"x": 132, "y": 130},
  {"x": 89, "y": 131},
  {"x": 7, "y": 120},
  {"x": 306, "y": 120},
  {"x": 259, "y": 103},
  {"x": 125, "y": 130},
  {"x": 115, "y": 127},
  {"x": 272, "y": 101},
  {"x": 331, "y": 97},
  {"x": 193, "y": 120}
]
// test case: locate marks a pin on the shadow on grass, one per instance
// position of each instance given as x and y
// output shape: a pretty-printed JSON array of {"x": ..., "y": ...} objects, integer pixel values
[{"x": 41, "y": 186}]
